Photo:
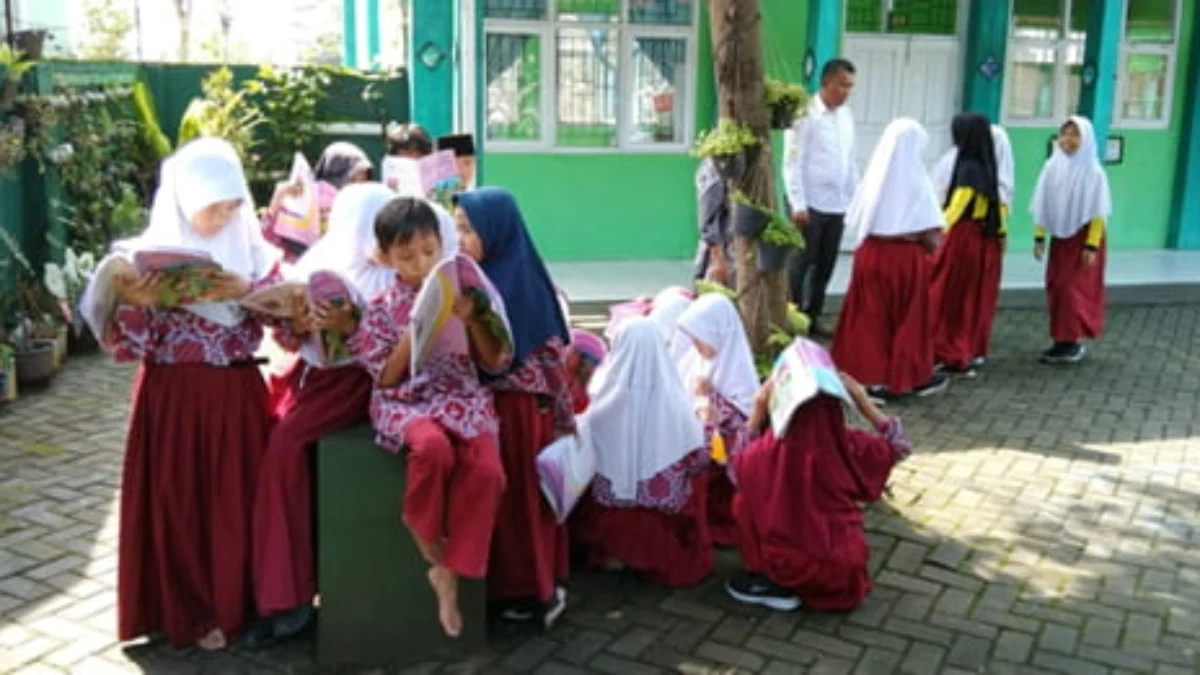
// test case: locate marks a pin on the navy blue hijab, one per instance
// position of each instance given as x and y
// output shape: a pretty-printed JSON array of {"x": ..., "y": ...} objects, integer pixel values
[{"x": 512, "y": 263}]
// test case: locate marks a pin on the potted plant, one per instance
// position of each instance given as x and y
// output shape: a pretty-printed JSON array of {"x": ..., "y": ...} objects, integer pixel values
[
  {"x": 749, "y": 219},
  {"x": 778, "y": 240},
  {"x": 66, "y": 283},
  {"x": 729, "y": 146},
  {"x": 8, "y": 371},
  {"x": 784, "y": 101},
  {"x": 34, "y": 336}
]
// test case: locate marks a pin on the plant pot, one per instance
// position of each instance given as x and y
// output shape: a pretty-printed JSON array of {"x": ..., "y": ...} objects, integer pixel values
[
  {"x": 36, "y": 366},
  {"x": 782, "y": 116},
  {"x": 748, "y": 221},
  {"x": 772, "y": 258},
  {"x": 32, "y": 42},
  {"x": 731, "y": 167}
]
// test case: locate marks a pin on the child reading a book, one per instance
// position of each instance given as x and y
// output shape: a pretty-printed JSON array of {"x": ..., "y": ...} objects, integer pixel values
[
  {"x": 719, "y": 371},
  {"x": 797, "y": 504},
  {"x": 529, "y": 551},
  {"x": 440, "y": 414},
  {"x": 199, "y": 421},
  {"x": 409, "y": 140},
  {"x": 965, "y": 285},
  {"x": 647, "y": 505},
  {"x": 883, "y": 335},
  {"x": 314, "y": 398},
  {"x": 585, "y": 354},
  {"x": 463, "y": 146},
  {"x": 1072, "y": 203}
]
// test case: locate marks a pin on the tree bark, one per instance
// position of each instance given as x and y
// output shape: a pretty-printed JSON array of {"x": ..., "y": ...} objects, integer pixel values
[{"x": 736, "y": 27}]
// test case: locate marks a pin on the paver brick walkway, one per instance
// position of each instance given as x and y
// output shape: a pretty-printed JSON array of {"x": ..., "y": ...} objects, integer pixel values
[{"x": 1050, "y": 522}]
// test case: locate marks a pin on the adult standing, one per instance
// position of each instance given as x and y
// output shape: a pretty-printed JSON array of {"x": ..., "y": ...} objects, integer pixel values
[
  {"x": 714, "y": 261},
  {"x": 820, "y": 175}
]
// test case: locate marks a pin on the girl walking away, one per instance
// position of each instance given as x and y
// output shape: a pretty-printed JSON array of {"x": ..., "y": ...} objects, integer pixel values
[
  {"x": 883, "y": 335},
  {"x": 441, "y": 414},
  {"x": 1071, "y": 203},
  {"x": 802, "y": 537},
  {"x": 647, "y": 510},
  {"x": 719, "y": 372},
  {"x": 943, "y": 172},
  {"x": 199, "y": 422},
  {"x": 533, "y": 399},
  {"x": 966, "y": 272},
  {"x": 310, "y": 401}
]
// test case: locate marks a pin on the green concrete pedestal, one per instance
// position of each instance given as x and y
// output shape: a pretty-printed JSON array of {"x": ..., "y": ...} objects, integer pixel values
[{"x": 376, "y": 603}]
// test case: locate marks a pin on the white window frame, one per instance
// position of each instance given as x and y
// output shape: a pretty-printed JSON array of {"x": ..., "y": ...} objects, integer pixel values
[
  {"x": 1170, "y": 50},
  {"x": 1062, "y": 108},
  {"x": 547, "y": 31}
]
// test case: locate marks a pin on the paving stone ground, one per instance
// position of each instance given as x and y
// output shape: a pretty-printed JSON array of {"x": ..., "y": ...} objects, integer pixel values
[{"x": 1050, "y": 522}]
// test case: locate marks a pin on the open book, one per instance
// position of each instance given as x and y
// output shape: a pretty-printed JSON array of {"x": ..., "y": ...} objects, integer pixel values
[
  {"x": 188, "y": 275},
  {"x": 801, "y": 372},
  {"x": 299, "y": 217},
  {"x": 565, "y": 469},
  {"x": 323, "y": 286},
  {"x": 434, "y": 307},
  {"x": 434, "y": 176}
]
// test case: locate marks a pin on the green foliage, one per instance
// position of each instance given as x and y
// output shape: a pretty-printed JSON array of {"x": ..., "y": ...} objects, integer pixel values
[
  {"x": 705, "y": 287},
  {"x": 286, "y": 103},
  {"x": 15, "y": 63},
  {"x": 108, "y": 26},
  {"x": 729, "y": 138},
  {"x": 154, "y": 142},
  {"x": 223, "y": 112},
  {"x": 12, "y": 148},
  {"x": 791, "y": 96},
  {"x": 781, "y": 232}
]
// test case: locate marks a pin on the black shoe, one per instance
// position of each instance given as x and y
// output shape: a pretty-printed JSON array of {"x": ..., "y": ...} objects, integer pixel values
[
  {"x": 755, "y": 589},
  {"x": 520, "y": 611},
  {"x": 936, "y": 385},
  {"x": 978, "y": 362},
  {"x": 879, "y": 394},
  {"x": 555, "y": 608},
  {"x": 1064, "y": 353},
  {"x": 279, "y": 626},
  {"x": 967, "y": 371}
]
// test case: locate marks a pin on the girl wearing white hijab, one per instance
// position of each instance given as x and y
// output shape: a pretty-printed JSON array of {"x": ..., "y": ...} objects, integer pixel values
[
  {"x": 310, "y": 401},
  {"x": 883, "y": 336},
  {"x": 1071, "y": 203},
  {"x": 719, "y": 371},
  {"x": 199, "y": 422},
  {"x": 648, "y": 496},
  {"x": 665, "y": 310}
]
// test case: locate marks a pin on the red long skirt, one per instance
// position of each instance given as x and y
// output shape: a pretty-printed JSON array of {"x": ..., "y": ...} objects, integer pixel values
[
  {"x": 453, "y": 493},
  {"x": 964, "y": 292},
  {"x": 883, "y": 333},
  {"x": 529, "y": 549},
  {"x": 196, "y": 437},
  {"x": 721, "y": 523},
  {"x": 671, "y": 549},
  {"x": 1074, "y": 293},
  {"x": 310, "y": 403}
]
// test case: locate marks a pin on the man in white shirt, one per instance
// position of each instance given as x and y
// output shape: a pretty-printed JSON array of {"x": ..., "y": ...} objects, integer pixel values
[{"x": 820, "y": 175}]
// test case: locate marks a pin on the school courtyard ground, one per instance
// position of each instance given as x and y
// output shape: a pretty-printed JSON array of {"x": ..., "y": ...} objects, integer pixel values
[{"x": 1049, "y": 522}]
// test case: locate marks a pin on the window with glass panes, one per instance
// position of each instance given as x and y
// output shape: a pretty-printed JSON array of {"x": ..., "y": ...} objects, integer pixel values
[
  {"x": 924, "y": 17},
  {"x": 1045, "y": 59},
  {"x": 589, "y": 74},
  {"x": 1147, "y": 65}
]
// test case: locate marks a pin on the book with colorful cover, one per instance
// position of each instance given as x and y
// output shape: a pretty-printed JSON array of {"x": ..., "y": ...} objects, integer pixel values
[
  {"x": 434, "y": 176},
  {"x": 802, "y": 371},
  {"x": 434, "y": 307},
  {"x": 299, "y": 217},
  {"x": 325, "y": 286},
  {"x": 275, "y": 301},
  {"x": 188, "y": 275},
  {"x": 565, "y": 470}
]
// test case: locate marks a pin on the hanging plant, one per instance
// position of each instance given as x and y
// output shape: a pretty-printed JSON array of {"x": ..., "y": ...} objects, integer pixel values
[
  {"x": 778, "y": 240},
  {"x": 784, "y": 100},
  {"x": 749, "y": 218},
  {"x": 727, "y": 145}
]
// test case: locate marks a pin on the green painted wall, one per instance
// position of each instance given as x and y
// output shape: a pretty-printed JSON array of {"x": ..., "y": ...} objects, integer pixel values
[
  {"x": 589, "y": 206},
  {"x": 1142, "y": 185}
]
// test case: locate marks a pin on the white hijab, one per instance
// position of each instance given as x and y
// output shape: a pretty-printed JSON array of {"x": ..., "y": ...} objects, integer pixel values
[
  {"x": 714, "y": 320},
  {"x": 640, "y": 419},
  {"x": 895, "y": 196},
  {"x": 943, "y": 171},
  {"x": 201, "y": 173},
  {"x": 349, "y": 244},
  {"x": 1072, "y": 189},
  {"x": 665, "y": 311}
]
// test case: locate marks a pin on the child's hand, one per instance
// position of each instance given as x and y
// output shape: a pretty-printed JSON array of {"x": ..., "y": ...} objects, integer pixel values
[
  {"x": 140, "y": 291},
  {"x": 1089, "y": 257},
  {"x": 302, "y": 318},
  {"x": 228, "y": 286},
  {"x": 857, "y": 392},
  {"x": 283, "y": 191},
  {"x": 703, "y": 387},
  {"x": 338, "y": 318},
  {"x": 1039, "y": 250},
  {"x": 762, "y": 406}
]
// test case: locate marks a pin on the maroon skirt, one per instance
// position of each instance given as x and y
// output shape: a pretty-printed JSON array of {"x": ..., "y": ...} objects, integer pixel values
[
  {"x": 964, "y": 292},
  {"x": 196, "y": 437},
  {"x": 883, "y": 333},
  {"x": 721, "y": 523},
  {"x": 672, "y": 549},
  {"x": 309, "y": 403},
  {"x": 529, "y": 548},
  {"x": 1075, "y": 294}
]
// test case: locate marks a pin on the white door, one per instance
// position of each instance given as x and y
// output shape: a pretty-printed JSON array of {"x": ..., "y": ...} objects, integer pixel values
[{"x": 918, "y": 76}]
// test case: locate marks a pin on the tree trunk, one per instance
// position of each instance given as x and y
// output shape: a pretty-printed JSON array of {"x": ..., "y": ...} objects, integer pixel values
[{"x": 736, "y": 27}]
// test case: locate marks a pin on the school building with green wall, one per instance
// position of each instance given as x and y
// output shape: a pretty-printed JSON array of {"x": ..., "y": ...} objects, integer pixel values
[{"x": 586, "y": 109}]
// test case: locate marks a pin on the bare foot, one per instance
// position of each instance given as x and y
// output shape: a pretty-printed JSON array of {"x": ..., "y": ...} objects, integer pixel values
[
  {"x": 445, "y": 586},
  {"x": 212, "y": 642}
]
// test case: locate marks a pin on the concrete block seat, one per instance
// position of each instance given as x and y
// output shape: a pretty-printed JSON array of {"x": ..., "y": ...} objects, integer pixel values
[{"x": 376, "y": 603}]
